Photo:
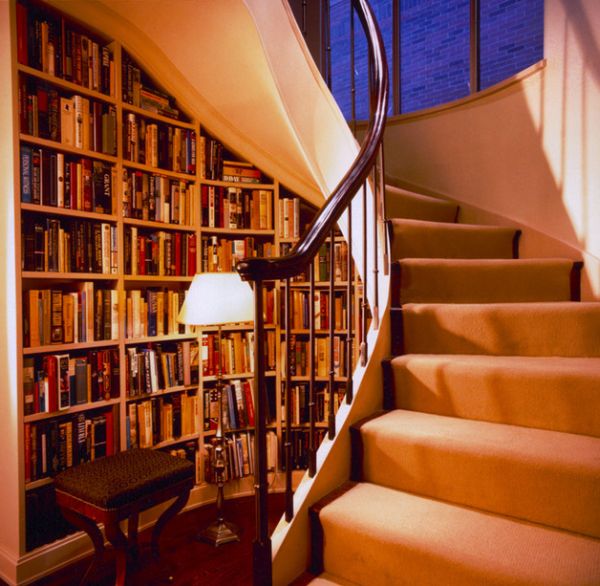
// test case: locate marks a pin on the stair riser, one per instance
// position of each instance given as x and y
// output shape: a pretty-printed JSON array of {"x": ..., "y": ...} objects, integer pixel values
[
  {"x": 554, "y": 397},
  {"x": 416, "y": 241},
  {"x": 517, "y": 330},
  {"x": 529, "y": 480},
  {"x": 400, "y": 204},
  {"x": 436, "y": 282},
  {"x": 406, "y": 540}
]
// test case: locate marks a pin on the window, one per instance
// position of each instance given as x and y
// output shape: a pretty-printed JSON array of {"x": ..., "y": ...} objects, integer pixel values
[
  {"x": 434, "y": 41},
  {"x": 511, "y": 38}
]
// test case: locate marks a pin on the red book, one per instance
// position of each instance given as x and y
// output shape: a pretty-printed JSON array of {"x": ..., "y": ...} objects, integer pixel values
[
  {"x": 249, "y": 400},
  {"x": 51, "y": 370},
  {"x": 22, "y": 34},
  {"x": 110, "y": 433},
  {"x": 141, "y": 255},
  {"x": 27, "y": 447},
  {"x": 191, "y": 261},
  {"x": 87, "y": 184},
  {"x": 178, "y": 270}
]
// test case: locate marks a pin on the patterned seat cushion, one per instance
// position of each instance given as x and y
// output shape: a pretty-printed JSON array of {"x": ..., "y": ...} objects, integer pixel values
[{"x": 114, "y": 481}]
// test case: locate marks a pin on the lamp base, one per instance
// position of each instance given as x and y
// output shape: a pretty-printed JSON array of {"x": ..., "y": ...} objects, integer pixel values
[{"x": 219, "y": 533}]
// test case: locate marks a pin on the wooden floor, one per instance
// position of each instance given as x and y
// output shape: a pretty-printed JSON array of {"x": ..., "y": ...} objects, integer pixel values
[{"x": 183, "y": 560}]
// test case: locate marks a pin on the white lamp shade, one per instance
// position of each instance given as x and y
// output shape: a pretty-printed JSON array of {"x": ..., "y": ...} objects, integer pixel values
[{"x": 217, "y": 298}]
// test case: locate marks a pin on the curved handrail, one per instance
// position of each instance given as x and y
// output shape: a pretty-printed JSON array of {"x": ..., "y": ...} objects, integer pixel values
[{"x": 293, "y": 263}]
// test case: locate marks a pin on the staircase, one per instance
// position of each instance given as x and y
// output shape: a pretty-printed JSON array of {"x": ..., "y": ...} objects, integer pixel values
[{"x": 485, "y": 466}]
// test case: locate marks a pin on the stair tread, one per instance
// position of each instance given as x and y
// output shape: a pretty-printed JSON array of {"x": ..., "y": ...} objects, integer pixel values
[
  {"x": 427, "y": 239},
  {"x": 326, "y": 579},
  {"x": 558, "y": 393},
  {"x": 449, "y": 227},
  {"x": 378, "y": 535},
  {"x": 522, "y": 328},
  {"x": 518, "y": 471},
  {"x": 435, "y": 280},
  {"x": 402, "y": 203},
  {"x": 581, "y": 365}
]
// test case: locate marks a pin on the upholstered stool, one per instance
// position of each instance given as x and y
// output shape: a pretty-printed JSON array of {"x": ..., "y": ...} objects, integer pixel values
[{"x": 118, "y": 487}]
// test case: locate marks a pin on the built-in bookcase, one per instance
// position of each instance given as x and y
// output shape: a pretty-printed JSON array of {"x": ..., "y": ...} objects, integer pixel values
[{"x": 121, "y": 198}]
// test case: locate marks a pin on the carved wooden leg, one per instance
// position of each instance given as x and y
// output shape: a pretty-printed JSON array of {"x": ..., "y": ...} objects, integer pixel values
[
  {"x": 132, "y": 534},
  {"x": 95, "y": 534},
  {"x": 167, "y": 514},
  {"x": 119, "y": 542}
]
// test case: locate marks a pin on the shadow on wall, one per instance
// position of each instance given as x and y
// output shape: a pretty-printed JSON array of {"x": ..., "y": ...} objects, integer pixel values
[{"x": 518, "y": 153}]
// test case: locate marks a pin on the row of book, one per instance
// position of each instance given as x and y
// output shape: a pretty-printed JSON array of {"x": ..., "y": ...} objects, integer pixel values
[
  {"x": 138, "y": 91},
  {"x": 300, "y": 403},
  {"x": 54, "y": 382},
  {"x": 52, "y": 178},
  {"x": 53, "y": 316},
  {"x": 301, "y": 306},
  {"x": 239, "y": 456},
  {"x": 69, "y": 245},
  {"x": 147, "y": 196},
  {"x": 299, "y": 356},
  {"x": 153, "y": 312},
  {"x": 161, "y": 419},
  {"x": 236, "y": 353},
  {"x": 289, "y": 217},
  {"x": 299, "y": 448},
  {"x": 238, "y": 406},
  {"x": 160, "y": 367},
  {"x": 222, "y": 254},
  {"x": 73, "y": 121},
  {"x": 159, "y": 145},
  {"x": 54, "y": 445},
  {"x": 51, "y": 44},
  {"x": 234, "y": 207},
  {"x": 159, "y": 253}
]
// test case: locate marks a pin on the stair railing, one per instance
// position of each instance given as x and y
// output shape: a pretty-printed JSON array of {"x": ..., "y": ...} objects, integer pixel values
[{"x": 355, "y": 183}]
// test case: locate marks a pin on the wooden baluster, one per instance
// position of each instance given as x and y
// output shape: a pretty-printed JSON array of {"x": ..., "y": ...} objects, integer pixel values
[
  {"x": 331, "y": 324},
  {"x": 349, "y": 313},
  {"x": 312, "y": 448},
  {"x": 262, "y": 571},
  {"x": 364, "y": 306},
  {"x": 289, "y": 495}
]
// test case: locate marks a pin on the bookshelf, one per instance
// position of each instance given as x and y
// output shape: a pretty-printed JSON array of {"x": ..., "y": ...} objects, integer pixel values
[{"x": 120, "y": 199}]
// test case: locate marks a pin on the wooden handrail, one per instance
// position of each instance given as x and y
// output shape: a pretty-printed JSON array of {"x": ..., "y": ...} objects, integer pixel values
[
  {"x": 298, "y": 260},
  {"x": 289, "y": 265}
]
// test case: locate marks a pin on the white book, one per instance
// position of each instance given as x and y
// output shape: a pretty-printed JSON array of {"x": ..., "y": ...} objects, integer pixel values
[{"x": 67, "y": 122}]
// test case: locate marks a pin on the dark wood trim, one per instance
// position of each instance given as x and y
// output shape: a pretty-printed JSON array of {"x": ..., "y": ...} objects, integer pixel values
[
  {"x": 357, "y": 454},
  {"x": 395, "y": 283},
  {"x": 357, "y": 450},
  {"x": 396, "y": 63},
  {"x": 316, "y": 529},
  {"x": 389, "y": 396},
  {"x": 575, "y": 280},
  {"x": 515, "y": 243},
  {"x": 397, "y": 326},
  {"x": 474, "y": 47}
]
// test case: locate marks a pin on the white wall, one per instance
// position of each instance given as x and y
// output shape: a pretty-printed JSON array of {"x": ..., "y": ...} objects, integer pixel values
[
  {"x": 528, "y": 153},
  {"x": 9, "y": 405}
]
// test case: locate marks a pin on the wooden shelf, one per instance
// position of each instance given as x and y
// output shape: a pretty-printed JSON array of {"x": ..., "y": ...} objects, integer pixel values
[
  {"x": 162, "y": 393},
  {"x": 158, "y": 225},
  {"x": 64, "y": 84},
  {"x": 58, "y": 276},
  {"x": 159, "y": 171},
  {"x": 59, "y": 348},
  {"x": 73, "y": 409},
  {"x": 158, "y": 117},
  {"x": 58, "y": 146},
  {"x": 57, "y": 211}
]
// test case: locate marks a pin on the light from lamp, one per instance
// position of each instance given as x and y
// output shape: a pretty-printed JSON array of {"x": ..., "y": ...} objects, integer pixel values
[{"x": 217, "y": 298}]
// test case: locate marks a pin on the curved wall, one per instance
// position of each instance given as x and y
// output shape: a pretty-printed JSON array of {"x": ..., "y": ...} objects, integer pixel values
[{"x": 527, "y": 153}]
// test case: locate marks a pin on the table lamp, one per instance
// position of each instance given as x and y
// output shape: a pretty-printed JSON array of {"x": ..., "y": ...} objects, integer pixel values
[{"x": 214, "y": 299}]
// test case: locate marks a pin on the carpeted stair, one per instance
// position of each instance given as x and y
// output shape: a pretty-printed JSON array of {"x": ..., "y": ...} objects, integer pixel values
[{"x": 485, "y": 466}]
